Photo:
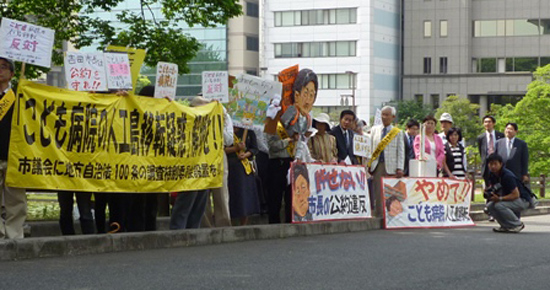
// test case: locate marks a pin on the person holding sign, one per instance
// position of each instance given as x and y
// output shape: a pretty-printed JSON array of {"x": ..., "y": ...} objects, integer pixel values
[
  {"x": 434, "y": 148},
  {"x": 14, "y": 200}
]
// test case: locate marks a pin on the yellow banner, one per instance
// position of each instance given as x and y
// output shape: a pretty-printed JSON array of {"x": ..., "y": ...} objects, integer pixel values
[
  {"x": 67, "y": 140},
  {"x": 135, "y": 56}
]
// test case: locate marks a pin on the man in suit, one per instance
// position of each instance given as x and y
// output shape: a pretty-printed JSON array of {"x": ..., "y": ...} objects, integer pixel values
[
  {"x": 411, "y": 132},
  {"x": 514, "y": 152},
  {"x": 344, "y": 136},
  {"x": 486, "y": 143},
  {"x": 388, "y": 158}
]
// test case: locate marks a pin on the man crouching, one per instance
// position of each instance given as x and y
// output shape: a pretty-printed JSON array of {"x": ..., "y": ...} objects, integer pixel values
[{"x": 507, "y": 197}]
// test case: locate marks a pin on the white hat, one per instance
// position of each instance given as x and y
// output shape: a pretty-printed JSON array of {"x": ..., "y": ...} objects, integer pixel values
[
  {"x": 199, "y": 101},
  {"x": 446, "y": 117},
  {"x": 323, "y": 118}
]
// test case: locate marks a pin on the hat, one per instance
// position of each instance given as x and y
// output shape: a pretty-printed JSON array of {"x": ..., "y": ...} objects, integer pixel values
[
  {"x": 10, "y": 63},
  {"x": 199, "y": 101},
  {"x": 323, "y": 118},
  {"x": 446, "y": 117}
]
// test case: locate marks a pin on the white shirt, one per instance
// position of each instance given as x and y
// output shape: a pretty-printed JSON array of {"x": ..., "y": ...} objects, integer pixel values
[{"x": 227, "y": 129}]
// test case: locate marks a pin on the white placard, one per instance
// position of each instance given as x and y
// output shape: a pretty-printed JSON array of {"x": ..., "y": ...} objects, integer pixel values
[
  {"x": 85, "y": 71},
  {"x": 26, "y": 42},
  {"x": 215, "y": 85},
  {"x": 117, "y": 67},
  {"x": 378, "y": 118},
  {"x": 167, "y": 80},
  {"x": 361, "y": 146}
]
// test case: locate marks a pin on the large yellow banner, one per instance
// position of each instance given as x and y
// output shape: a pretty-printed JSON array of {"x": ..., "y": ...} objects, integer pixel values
[{"x": 67, "y": 140}]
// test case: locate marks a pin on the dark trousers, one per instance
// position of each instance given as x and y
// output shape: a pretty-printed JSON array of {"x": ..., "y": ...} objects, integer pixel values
[
  {"x": 278, "y": 189},
  {"x": 262, "y": 163},
  {"x": 118, "y": 207},
  {"x": 84, "y": 203},
  {"x": 188, "y": 210},
  {"x": 142, "y": 213}
]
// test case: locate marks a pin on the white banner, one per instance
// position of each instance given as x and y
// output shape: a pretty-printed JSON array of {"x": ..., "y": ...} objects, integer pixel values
[
  {"x": 85, "y": 71},
  {"x": 361, "y": 146},
  {"x": 26, "y": 42},
  {"x": 215, "y": 85},
  {"x": 426, "y": 202},
  {"x": 119, "y": 76},
  {"x": 167, "y": 80},
  {"x": 323, "y": 192}
]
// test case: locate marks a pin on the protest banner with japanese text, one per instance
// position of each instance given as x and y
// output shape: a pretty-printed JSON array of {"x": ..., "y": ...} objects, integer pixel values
[
  {"x": 322, "y": 192},
  {"x": 118, "y": 71},
  {"x": 136, "y": 57},
  {"x": 361, "y": 146},
  {"x": 426, "y": 202},
  {"x": 215, "y": 85},
  {"x": 167, "y": 80},
  {"x": 85, "y": 71},
  {"x": 248, "y": 100},
  {"x": 26, "y": 42},
  {"x": 79, "y": 141}
]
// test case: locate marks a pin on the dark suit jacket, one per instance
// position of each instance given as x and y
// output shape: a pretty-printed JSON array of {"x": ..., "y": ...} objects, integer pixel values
[
  {"x": 409, "y": 152},
  {"x": 482, "y": 146},
  {"x": 343, "y": 150},
  {"x": 518, "y": 161}
]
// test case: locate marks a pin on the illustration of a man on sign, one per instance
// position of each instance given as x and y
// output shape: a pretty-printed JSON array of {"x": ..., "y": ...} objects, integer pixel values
[{"x": 300, "y": 193}]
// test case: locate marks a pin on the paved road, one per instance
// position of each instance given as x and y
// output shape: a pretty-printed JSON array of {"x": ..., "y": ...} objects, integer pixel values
[{"x": 467, "y": 258}]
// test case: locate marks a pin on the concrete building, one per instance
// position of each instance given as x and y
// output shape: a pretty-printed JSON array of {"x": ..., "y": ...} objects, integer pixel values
[
  {"x": 485, "y": 50},
  {"x": 243, "y": 40},
  {"x": 352, "y": 45}
]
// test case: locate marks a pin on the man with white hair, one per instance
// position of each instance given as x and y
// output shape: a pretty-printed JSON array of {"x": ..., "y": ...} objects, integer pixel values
[{"x": 388, "y": 156}]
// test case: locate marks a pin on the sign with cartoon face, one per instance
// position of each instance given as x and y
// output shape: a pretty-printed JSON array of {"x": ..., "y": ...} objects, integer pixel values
[{"x": 248, "y": 100}]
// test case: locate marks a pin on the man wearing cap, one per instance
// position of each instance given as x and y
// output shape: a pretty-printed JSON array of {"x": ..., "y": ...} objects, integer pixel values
[
  {"x": 323, "y": 145},
  {"x": 14, "y": 200}
]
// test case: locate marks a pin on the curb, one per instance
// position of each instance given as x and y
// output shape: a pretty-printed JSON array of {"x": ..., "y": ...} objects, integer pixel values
[{"x": 47, "y": 247}]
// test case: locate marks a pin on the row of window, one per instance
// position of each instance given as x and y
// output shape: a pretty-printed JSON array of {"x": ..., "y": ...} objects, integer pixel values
[
  {"x": 336, "y": 81},
  {"x": 316, "y": 49},
  {"x": 442, "y": 65},
  {"x": 316, "y": 17},
  {"x": 443, "y": 30},
  {"x": 513, "y": 27},
  {"x": 510, "y": 64}
]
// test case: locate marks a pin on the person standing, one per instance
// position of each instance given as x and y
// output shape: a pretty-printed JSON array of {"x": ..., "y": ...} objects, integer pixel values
[
  {"x": 13, "y": 200},
  {"x": 514, "y": 152},
  {"x": 434, "y": 148},
  {"x": 454, "y": 154},
  {"x": 323, "y": 145},
  {"x": 446, "y": 123},
  {"x": 388, "y": 157},
  {"x": 412, "y": 130},
  {"x": 344, "y": 136}
]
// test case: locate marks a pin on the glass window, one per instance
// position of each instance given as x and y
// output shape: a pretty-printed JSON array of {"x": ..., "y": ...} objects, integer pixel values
[
  {"x": 343, "y": 16},
  {"x": 312, "y": 17},
  {"x": 427, "y": 29},
  {"x": 501, "y": 65},
  {"x": 342, "y": 81},
  {"x": 545, "y": 26},
  {"x": 333, "y": 17},
  {"x": 419, "y": 98},
  {"x": 488, "y": 65},
  {"x": 330, "y": 49},
  {"x": 435, "y": 100},
  {"x": 305, "y": 17},
  {"x": 526, "y": 27},
  {"x": 286, "y": 50},
  {"x": 315, "y": 49},
  {"x": 353, "y": 15},
  {"x": 278, "y": 19},
  {"x": 332, "y": 81},
  {"x": 544, "y": 61},
  {"x": 278, "y": 50},
  {"x": 288, "y": 18},
  {"x": 443, "y": 65},
  {"x": 525, "y": 63},
  {"x": 427, "y": 65},
  {"x": 297, "y": 18},
  {"x": 320, "y": 17},
  {"x": 252, "y": 43},
  {"x": 501, "y": 27},
  {"x": 342, "y": 48},
  {"x": 306, "y": 51},
  {"x": 488, "y": 28},
  {"x": 252, "y": 9},
  {"x": 352, "y": 48},
  {"x": 443, "y": 28},
  {"x": 510, "y": 64}
]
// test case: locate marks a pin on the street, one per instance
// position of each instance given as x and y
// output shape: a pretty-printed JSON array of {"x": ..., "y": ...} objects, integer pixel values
[{"x": 466, "y": 258}]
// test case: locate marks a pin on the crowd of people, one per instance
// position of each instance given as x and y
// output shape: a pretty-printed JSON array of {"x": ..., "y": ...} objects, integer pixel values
[{"x": 256, "y": 166}]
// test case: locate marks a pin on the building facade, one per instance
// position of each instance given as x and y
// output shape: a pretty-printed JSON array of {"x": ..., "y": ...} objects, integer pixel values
[
  {"x": 485, "y": 50},
  {"x": 352, "y": 45}
]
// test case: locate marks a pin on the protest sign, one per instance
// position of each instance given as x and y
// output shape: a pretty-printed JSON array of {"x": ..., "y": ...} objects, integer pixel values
[
  {"x": 323, "y": 192},
  {"x": 136, "y": 57},
  {"x": 378, "y": 118},
  {"x": 118, "y": 71},
  {"x": 85, "y": 71},
  {"x": 426, "y": 202},
  {"x": 361, "y": 146},
  {"x": 26, "y": 42},
  {"x": 248, "y": 100},
  {"x": 167, "y": 80},
  {"x": 215, "y": 85},
  {"x": 287, "y": 78},
  {"x": 78, "y": 141}
]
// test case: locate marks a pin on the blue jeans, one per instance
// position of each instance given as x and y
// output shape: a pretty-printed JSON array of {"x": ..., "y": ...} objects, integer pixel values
[
  {"x": 188, "y": 210},
  {"x": 507, "y": 212}
]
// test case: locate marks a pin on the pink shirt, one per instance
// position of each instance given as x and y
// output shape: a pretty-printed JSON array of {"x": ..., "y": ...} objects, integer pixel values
[{"x": 439, "y": 149}]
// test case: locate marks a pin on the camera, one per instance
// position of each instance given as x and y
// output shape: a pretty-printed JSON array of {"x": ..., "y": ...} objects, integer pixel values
[{"x": 493, "y": 189}]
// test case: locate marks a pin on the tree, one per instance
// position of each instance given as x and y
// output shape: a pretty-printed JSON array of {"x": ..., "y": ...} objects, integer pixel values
[
  {"x": 465, "y": 116},
  {"x": 531, "y": 115},
  {"x": 411, "y": 109},
  {"x": 162, "y": 35}
]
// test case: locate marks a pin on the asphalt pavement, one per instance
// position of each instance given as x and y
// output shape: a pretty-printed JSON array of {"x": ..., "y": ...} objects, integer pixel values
[{"x": 465, "y": 258}]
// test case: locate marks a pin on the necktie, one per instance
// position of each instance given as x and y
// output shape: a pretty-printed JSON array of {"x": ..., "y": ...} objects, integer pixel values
[
  {"x": 509, "y": 147},
  {"x": 346, "y": 135},
  {"x": 491, "y": 148},
  {"x": 382, "y": 158}
]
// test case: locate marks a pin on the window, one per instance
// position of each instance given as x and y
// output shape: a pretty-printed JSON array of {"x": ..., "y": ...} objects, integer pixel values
[
  {"x": 316, "y": 49},
  {"x": 443, "y": 28},
  {"x": 252, "y": 43},
  {"x": 443, "y": 65},
  {"x": 511, "y": 27},
  {"x": 419, "y": 98},
  {"x": 252, "y": 9},
  {"x": 252, "y": 72},
  {"x": 427, "y": 65},
  {"x": 427, "y": 28},
  {"x": 316, "y": 17},
  {"x": 335, "y": 81},
  {"x": 435, "y": 100},
  {"x": 487, "y": 65}
]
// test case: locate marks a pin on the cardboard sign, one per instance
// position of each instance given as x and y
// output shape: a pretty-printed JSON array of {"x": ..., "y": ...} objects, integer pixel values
[
  {"x": 167, "y": 80},
  {"x": 26, "y": 42},
  {"x": 323, "y": 192},
  {"x": 426, "y": 202},
  {"x": 118, "y": 71},
  {"x": 361, "y": 146},
  {"x": 215, "y": 85},
  {"x": 85, "y": 71},
  {"x": 287, "y": 78},
  {"x": 136, "y": 57}
]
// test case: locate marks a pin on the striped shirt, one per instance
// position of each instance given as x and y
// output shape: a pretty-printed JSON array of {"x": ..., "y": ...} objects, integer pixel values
[
  {"x": 458, "y": 169},
  {"x": 323, "y": 147}
]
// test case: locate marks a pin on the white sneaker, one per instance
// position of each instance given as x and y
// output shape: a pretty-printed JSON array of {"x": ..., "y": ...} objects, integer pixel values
[{"x": 517, "y": 229}]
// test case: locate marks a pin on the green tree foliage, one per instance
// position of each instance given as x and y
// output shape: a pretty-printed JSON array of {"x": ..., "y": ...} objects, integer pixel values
[
  {"x": 411, "y": 109},
  {"x": 465, "y": 116},
  {"x": 156, "y": 26},
  {"x": 142, "y": 81},
  {"x": 531, "y": 115}
]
